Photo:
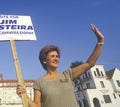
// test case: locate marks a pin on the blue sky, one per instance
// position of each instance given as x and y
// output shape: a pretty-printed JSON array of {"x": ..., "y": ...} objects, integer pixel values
[{"x": 65, "y": 23}]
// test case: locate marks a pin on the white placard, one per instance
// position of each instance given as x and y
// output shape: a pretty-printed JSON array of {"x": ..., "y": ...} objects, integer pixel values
[{"x": 15, "y": 27}]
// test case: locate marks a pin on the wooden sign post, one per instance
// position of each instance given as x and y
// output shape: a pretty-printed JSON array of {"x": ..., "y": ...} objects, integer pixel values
[
  {"x": 18, "y": 70},
  {"x": 14, "y": 27}
]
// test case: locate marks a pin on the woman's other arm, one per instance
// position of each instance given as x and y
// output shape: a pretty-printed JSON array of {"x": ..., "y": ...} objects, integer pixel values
[{"x": 79, "y": 70}]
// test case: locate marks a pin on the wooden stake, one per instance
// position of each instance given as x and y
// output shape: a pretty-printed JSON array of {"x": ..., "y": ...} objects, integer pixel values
[{"x": 18, "y": 71}]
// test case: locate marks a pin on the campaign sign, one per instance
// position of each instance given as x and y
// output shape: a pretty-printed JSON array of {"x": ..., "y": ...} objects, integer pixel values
[{"x": 15, "y": 27}]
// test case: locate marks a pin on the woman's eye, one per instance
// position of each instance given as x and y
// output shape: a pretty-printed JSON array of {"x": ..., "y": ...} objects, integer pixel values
[{"x": 54, "y": 56}]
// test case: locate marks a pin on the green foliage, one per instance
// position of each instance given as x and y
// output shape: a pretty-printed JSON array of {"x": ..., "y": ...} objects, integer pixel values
[{"x": 75, "y": 64}]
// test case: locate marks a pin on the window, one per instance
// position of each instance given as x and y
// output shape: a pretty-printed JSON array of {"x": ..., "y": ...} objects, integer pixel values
[
  {"x": 114, "y": 95},
  {"x": 95, "y": 73},
  {"x": 86, "y": 75},
  {"x": 107, "y": 98},
  {"x": 88, "y": 85},
  {"x": 102, "y": 73},
  {"x": 89, "y": 74},
  {"x": 80, "y": 103},
  {"x": 83, "y": 76},
  {"x": 78, "y": 88},
  {"x": 98, "y": 71},
  {"x": 102, "y": 84},
  {"x": 85, "y": 102},
  {"x": 118, "y": 83}
]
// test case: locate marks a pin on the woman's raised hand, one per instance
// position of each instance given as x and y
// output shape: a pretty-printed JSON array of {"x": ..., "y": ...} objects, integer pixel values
[{"x": 99, "y": 35}]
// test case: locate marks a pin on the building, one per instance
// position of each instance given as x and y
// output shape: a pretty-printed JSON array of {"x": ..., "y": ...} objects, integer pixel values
[
  {"x": 8, "y": 96},
  {"x": 97, "y": 88}
]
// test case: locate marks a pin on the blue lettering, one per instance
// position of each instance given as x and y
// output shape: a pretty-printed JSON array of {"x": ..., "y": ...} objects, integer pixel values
[
  {"x": 12, "y": 22},
  {"x": 8, "y": 26},
  {"x": 18, "y": 27},
  {"x": 13, "y": 16},
  {"x": 13, "y": 27},
  {"x": 23, "y": 27},
  {"x": 1, "y": 16},
  {"x": 1, "y": 27},
  {"x": 29, "y": 28},
  {"x": 8, "y": 22}
]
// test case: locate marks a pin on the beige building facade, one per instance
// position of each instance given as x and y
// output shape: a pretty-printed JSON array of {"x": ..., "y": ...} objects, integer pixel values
[{"x": 8, "y": 96}]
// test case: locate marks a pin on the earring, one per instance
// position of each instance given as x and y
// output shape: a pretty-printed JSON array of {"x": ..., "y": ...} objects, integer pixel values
[{"x": 44, "y": 62}]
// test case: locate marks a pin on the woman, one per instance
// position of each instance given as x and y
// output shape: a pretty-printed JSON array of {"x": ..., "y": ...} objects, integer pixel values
[{"x": 55, "y": 89}]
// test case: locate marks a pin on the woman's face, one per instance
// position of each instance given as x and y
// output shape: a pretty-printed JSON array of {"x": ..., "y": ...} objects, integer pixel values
[{"x": 52, "y": 60}]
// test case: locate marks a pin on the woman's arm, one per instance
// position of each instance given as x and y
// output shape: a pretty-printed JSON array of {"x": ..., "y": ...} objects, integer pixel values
[
  {"x": 79, "y": 70},
  {"x": 37, "y": 99},
  {"x": 21, "y": 89}
]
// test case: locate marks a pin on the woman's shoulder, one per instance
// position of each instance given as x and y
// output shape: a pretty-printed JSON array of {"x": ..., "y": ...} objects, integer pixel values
[
  {"x": 38, "y": 83},
  {"x": 39, "y": 79},
  {"x": 68, "y": 73}
]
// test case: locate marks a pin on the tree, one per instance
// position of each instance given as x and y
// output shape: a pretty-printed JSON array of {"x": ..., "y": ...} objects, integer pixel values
[{"x": 75, "y": 64}]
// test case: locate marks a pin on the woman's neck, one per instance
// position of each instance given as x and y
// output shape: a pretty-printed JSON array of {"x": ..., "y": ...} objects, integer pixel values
[{"x": 52, "y": 75}]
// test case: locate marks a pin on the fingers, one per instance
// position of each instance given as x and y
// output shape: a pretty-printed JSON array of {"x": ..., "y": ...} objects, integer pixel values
[
  {"x": 99, "y": 35},
  {"x": 20, "y": 89},
  {"x": 94, "y": 28}
]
